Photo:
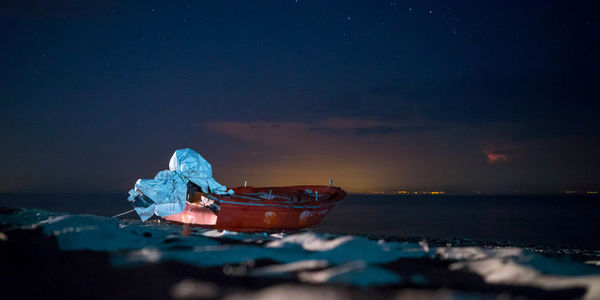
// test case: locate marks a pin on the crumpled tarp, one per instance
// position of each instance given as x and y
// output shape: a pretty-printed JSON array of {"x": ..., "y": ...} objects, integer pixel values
[{"x": 166, "y": 194}]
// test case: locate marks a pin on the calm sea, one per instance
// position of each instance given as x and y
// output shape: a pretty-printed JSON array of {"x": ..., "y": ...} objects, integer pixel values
[{"x": 557, "y": 220}]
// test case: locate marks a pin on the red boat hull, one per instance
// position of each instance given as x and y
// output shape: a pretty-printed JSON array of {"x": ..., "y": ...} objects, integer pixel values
[{"x": 261, "y": 209}]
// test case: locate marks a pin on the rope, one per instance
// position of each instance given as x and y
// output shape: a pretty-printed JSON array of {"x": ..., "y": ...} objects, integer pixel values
[{"x": 123, "y": 213}]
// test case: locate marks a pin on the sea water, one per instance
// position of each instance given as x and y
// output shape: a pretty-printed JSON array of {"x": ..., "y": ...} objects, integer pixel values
[{"x": 568, "y": 221}]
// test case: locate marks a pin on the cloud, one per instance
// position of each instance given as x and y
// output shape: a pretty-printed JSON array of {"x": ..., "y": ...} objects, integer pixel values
[
  {"x": 499, "y": 156},
  {"x": 331, "y": 127},
  {"x": 496, "y": 158}
]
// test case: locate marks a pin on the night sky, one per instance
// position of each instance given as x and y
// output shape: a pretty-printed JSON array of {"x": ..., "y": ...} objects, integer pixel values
[{"x": 495, "y": 96}]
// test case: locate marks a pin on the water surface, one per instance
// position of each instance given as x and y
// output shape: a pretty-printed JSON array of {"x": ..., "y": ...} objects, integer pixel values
[{"x": 554, "y": 220}]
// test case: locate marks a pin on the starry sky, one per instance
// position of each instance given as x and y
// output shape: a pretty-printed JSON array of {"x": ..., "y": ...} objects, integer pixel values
[{"x": 461, "y": 96}]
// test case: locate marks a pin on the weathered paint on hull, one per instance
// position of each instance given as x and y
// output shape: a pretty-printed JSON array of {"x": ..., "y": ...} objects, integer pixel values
[
  {"x": 239, "y": 214},
  {"x": 194, "y": 214},
  {"x": 257, "y": 218}
]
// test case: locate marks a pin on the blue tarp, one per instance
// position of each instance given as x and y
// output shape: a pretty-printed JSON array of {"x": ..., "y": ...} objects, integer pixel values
[{"x": 166, "y": 194}]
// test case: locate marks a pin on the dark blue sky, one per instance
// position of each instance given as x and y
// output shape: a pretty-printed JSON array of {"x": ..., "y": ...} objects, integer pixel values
[{"x": 493, "y": 96}]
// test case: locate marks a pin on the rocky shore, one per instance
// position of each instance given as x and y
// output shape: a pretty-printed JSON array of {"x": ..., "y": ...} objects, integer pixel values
[{"x": 48, "y": 255}]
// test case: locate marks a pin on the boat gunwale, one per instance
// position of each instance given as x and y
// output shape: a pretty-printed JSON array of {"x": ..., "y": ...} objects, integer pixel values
[
  {"x": 278, "y": 205},
  {"x": 335, "y": 198}
]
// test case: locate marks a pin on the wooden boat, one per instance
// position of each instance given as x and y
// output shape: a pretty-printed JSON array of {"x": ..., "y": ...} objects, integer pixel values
[{"x": 260, "y": 208}]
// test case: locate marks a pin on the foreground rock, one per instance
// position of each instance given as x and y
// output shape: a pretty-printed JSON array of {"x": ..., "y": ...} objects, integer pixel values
[{"x": 46, "y": 254}]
